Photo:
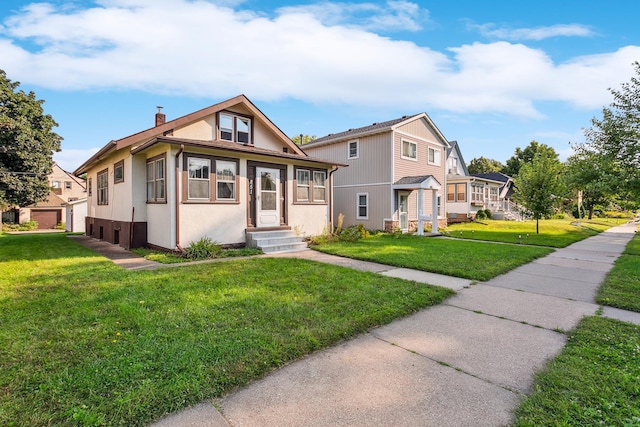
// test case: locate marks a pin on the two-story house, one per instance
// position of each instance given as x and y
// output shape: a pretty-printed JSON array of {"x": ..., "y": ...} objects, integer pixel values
[
  {"x": 225, "y": 172},
  {"x": 396, "y": 174}
]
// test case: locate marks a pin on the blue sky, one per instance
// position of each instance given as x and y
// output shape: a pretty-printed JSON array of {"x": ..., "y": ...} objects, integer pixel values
[{"x": 493, "y": 75}]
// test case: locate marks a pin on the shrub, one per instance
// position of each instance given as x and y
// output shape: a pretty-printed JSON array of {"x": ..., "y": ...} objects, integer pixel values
[
  {"x": 481, "y": 215},
  {"x": 488, "y": 213},
  {"x": 560, "y": 215},
  {"x": 203, "y": 248},
  {"x": 25, "y": 226}
]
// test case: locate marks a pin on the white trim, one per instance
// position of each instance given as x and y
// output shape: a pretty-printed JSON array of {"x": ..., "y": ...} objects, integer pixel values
[
  {"x": 358, "y": 205},
  {"x": 437, "y": 156},
  {"x": 362, "y": 185},
  {"x": 402, "y": 156},
  {"x": 357, "y": 142}
]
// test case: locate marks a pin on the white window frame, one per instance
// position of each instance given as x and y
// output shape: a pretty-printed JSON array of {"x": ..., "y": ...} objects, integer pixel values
[
  {"x": 357, "y": 149},
  {"x": 157, "y": 180},
  {"x": 358, "y": 205},
  {"x": 223, "y": 179},
  {"x": 415, "y": 150},
  {"x": 102, "y": 187},
  {"x": 436, "y": 156},
  {"x": 477, "y": 193},
  {"x": 317, "y": 186},
  {"x": 237, "y": 123},
  {"x": 307, "y": 186},
  {"x": 198, "y": 161}
]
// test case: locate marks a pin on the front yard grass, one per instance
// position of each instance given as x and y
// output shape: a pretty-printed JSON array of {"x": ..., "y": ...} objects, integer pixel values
[
  {"x": 84, "y": 342},
  {"x": 621, "y": 287},
  {"x": 467, "y": 259},
  {"x": 594, "y": 381},
  {"x": 556, "y": 233}
]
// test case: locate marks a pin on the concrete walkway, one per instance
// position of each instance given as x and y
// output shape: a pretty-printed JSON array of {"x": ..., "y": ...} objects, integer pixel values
[{"x": 465, "y": 362}]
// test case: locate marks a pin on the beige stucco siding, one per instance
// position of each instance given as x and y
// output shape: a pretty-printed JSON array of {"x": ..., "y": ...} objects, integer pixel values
[{"x": 204, "y": 129}]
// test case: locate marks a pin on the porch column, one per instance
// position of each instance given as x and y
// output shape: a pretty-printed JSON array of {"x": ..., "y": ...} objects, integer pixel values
[
  {"x": 420, "y": 212},
  {"x": 434, "y": 211}
]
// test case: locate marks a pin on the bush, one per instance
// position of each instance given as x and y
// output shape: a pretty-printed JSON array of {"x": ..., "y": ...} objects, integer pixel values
[
  {"x": 560, "y": 215},
  {"x": 481, "y": 214},
  {"x": 25, "y": 226},
  {"x": 203, "y": 248},
  {"x": 488, "y": 213}
]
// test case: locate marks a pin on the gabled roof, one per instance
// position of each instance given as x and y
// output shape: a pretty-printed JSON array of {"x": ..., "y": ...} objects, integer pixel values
[
  {"x": 163, "y": 129},
  {"x": 454, "y": 146},
  {"x": 52, "y": 201},
  {"x": 416, "y": 182},
  {"x": 373, "y": 129}
]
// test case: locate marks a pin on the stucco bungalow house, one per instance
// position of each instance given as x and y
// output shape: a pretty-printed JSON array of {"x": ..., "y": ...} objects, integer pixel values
[{"x": 225, "y": 172}]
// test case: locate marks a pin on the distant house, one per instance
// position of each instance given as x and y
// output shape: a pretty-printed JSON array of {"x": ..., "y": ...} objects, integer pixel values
[
  {"x": 469, "y": 193},
  {"x": 50, "y": 213},
  {"x": 225, "y": 172},
  {"x": 396, "y": 174}
]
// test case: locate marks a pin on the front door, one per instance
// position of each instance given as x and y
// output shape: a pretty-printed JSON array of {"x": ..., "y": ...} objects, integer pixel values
[
  {"x": 403, "y": 211},
  {"x": 268, "y": 197}
]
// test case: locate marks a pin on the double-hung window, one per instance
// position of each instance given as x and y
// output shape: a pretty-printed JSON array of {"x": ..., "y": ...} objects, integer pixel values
[
  {"x": 156, "y": 188},
  {"x": 234, "y": 128},
  {"x": 103, "y": 187},
  {"x": 198, "y": 183},
  {"x": 434, "y": 156},
  {"x": 362, "y": 206},
  {"x": 311, "y": 186},
  {"x": 456, "y": 192},
  {"x": 89, "y": 187},
  {"x": 409, "y": 150},
  {"x": 353, "y": 149},
  {"x": 118, "y": 172},
  {"x": 225, "y": 180}
]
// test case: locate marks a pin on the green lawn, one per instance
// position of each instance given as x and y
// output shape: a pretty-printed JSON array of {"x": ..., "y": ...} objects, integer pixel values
[
  {"x": 621, "y": 288},
  {"x": 468, "y": 259},
  {"x": 554, "y": 233},
  {"x": 594, "y": 381},
  {"x": 84, "y": 342}
]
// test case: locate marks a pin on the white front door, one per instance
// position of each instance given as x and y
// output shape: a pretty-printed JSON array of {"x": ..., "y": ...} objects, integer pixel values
[
  {"x": 268, "y": 197},
  {"x": 403, "y": 211}
]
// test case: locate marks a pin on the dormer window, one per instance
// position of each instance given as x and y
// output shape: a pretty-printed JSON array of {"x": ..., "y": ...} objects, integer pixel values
[{"x": 235, "y": 128}]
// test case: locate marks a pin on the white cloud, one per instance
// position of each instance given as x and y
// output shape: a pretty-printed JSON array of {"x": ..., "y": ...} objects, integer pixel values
[
  {"x": 538, "y": 33},
  {"x": 198, "y": 48},
  {"x": 71, "y": 159}
]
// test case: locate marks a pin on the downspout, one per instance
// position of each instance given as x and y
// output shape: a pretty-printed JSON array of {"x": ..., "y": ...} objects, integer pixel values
[
  {"x": 177, "y": 179},
  {"x": 331, "y": 198}
]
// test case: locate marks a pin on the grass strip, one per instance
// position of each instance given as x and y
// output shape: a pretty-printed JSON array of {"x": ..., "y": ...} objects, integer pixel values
[
  {"x": 594, "y": 381},
  {"x": 621, "y": 287},
  {"x": 84, "y": 342},
  {"x": 458, "y": 258}
]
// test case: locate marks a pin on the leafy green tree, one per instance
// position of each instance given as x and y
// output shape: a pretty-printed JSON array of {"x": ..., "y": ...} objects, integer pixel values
[
  {"x": 590, "y": 175},
  {"x": 539, "y": 185},
  {"x": 27, "y": 144},
  {"x": 302, "y": 139},
  {"x": 526, "y": 155},
  {"x": 484, "y": 165},
  {"x": 617, "y": 136}
]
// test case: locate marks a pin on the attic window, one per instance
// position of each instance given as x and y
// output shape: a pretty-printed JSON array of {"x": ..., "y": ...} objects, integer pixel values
[{"x": 235, "y": 128}]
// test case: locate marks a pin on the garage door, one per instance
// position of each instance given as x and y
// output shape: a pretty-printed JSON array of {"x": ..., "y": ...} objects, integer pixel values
[{"x": 46, "y": 219}]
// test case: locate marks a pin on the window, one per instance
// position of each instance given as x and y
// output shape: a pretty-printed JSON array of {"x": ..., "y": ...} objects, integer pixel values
[
  {"x": 353, "y": 150},
  {"x": 362, "y": 200},
  {"x": 118, "y": 172},
  {"x": 89, "y": 193},
  {"x": 453, "y": 164},
  {"x": 434, "y": 156},
  {"x": 155, "y": 179},
  {"x": 493, "y": 193},
  {"x": 235, "y": 128},
  {"x": 319, "y": 189},
  {"x": 198, "y": 182},
  {"x": 477, "y": 194},
  {"x": 103, "y": 187},
  {"x": 225, "y": 180},
  {"x": 56, "y": 184},
  {"x": 409, "y": 150},
  {"x": 456, "y": 192},
  {"x": 308, "y": 189},
  {"x": 67, "y": 185},
  {"x": 303, "y": 185}
]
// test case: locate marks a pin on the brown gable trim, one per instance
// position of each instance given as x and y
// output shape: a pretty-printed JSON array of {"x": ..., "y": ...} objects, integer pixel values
[
  {"x": 235, "y": 147},
  {"x": 100, "y": 154}
]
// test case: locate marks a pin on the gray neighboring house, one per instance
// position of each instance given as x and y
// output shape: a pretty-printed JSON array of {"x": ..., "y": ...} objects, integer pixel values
[{"x": 396, "y": 174}]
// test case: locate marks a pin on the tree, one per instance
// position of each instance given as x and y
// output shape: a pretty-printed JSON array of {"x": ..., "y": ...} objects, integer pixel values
[
  {"x": 590, "y": 175},
  {"x": 484, "y": 165},
  {"x": 617, "y": 136},
  {"x": 304, "y": 138},
  {"x": 27, "y": 144},
  {"x": 520, "y": 157},
  {"x": 539, "y": 185}
]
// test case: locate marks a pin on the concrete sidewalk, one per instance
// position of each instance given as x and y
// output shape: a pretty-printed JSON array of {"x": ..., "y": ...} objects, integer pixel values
[{"x": 467, "y": 361}]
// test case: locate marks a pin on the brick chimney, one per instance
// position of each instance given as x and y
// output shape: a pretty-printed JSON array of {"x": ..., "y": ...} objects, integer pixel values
[{"x": 160, "y": 117}]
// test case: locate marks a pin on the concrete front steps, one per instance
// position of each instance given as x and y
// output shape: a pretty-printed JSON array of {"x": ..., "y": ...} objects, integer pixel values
[{"x": 275, "y": 241}]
